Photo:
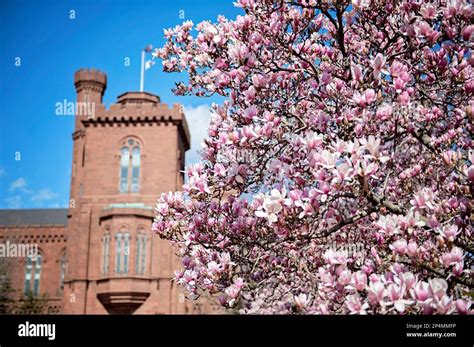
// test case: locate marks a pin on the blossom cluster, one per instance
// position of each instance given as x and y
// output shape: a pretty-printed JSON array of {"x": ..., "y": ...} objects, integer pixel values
[{"x": 353, "y": 122}]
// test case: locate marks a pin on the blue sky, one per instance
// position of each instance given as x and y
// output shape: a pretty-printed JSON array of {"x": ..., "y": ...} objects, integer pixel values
[{"x": 36, "y": 144}]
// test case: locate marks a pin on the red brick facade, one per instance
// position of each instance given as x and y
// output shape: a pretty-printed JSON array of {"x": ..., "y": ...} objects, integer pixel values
[
  {"x": 51, "y": 242},
  {"x": 114, "y": 187}
]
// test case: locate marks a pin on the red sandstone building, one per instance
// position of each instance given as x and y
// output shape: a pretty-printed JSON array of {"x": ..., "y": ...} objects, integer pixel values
[{"x": 99, "y": 255}]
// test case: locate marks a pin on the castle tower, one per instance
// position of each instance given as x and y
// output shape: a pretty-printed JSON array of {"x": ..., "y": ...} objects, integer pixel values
[
  {"x": 90, "y": 87},
  {"x": 123, "y": 159}
]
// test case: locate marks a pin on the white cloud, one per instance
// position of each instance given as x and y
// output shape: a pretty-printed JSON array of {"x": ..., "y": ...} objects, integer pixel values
[
  {"x": 43, "y": 195},
  {"x": 198, "y": 123},
  {"x": 2, "y": 172},
  {"x": 19, "y": 184},
  {"x": 13, "y": 201}
]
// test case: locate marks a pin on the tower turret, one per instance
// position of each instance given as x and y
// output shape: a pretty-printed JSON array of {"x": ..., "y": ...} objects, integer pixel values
[
  {"x": 91, "y": 83},
  {"x": 90, "y": 87}
]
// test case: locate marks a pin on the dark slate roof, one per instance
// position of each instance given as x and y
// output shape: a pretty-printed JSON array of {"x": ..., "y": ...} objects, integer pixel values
[{"x": 49, "y": 216}]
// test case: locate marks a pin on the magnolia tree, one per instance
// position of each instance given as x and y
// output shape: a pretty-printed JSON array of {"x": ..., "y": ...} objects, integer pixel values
[{"x": 337, "y": 176}]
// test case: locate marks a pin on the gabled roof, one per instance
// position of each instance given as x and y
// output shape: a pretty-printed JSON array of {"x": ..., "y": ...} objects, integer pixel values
[{"x": 49, "y": 216}]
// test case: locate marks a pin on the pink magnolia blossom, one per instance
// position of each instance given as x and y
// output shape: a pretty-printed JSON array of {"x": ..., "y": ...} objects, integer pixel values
[
  {"x": 301, "y": 301},
  {"x": 423, "y": 199},
  {"x": 449, "y": 232},
  {"x": 399, "y": 247},
  {"x": 360, "y": 280},
  {"x": 271, "y": 207},
  {"x": 355, "y": 305},
  {"x": 378, "y": 64}
]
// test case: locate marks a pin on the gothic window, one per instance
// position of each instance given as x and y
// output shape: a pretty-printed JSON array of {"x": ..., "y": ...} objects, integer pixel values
[
  {"x": 33, "y": 274},
  {"x": 140, "y": 256},
  {"x": 124, "y": 164},
  {"x": 135, "y": 169},
  {"x": 126, "y": 251},
  {"x": 28, "y": 272},
  {"x": 118, "y": 252},
  {"x": 130, "y": 157},
  {"x": 63, "y": 271},
  {"x": 122, "y": 252},
  {"x": 105, "y": 254}
]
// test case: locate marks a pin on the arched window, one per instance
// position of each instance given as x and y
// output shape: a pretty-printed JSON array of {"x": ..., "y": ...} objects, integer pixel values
[
  {"x": 130, "y": 158},
  {"x": 28, "y": 272},
  {"x": 135, "y": 169},
  {"x": 105, "y": 254},
  {"x": 122, "y": 252},
  {"x": 126, "y": 251},
  {"x": 118, "y": 252},
  {"x": 63, "y": 271},
  {"x": 33, "y": 274},
  {"x": 140, "y": 256},
  {"x": 124, "y": 164}
]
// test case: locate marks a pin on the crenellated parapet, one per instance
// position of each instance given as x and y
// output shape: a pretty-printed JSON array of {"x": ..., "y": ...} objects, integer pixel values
[
  {"x": 90, "y": 80},
  {"x": 140, "y": 108}
]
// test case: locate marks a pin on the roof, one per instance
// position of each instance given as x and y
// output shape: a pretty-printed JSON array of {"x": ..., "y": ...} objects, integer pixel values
[{"x": 50, "y": 216}]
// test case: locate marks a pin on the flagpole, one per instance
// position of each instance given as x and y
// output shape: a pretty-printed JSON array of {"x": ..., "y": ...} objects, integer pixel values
[{"x": 142, "y": 72}]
